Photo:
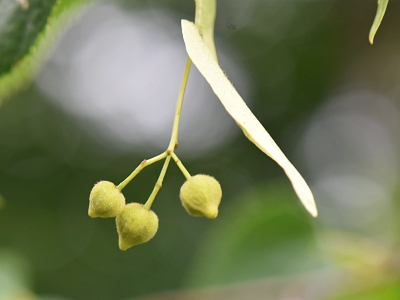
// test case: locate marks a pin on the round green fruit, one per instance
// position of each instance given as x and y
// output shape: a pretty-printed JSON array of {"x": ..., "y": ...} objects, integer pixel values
[
  {"x": 136, "y": 225},
  {"x": 105, "y": 200},
  {"x": 201, "y": 195}
]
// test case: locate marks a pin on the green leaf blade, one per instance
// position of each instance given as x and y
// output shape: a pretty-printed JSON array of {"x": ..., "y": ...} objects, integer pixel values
[
  {"x": 23, "y": 45},
  {"x": 19, "y": 29}
]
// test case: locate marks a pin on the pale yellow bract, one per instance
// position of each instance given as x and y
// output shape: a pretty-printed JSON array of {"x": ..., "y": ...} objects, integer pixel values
[
  {"x": 204, "y": 20},
  {"x": 205, "y": 62},
  {"x": 380, "y": 12}
]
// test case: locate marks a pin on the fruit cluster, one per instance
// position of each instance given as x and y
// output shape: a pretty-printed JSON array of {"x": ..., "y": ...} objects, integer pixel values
[{"x": 137, "y": 223}]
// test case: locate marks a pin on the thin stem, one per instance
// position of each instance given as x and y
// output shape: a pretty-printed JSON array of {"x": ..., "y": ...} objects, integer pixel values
[
  {"x": 174, "y": 136},
  {"x": 173, "y": 144},
  {"x": 158, "y": 184},
  {"x": 140, "y": 167},
  {"x": 180, "y": 165}
]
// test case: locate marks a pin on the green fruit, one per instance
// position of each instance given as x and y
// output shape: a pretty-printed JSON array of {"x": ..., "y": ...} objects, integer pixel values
[
  {"x": 105, "y": 200},
  {"x": 136, "y": 224},
  {"x": 201, "y": 196}
]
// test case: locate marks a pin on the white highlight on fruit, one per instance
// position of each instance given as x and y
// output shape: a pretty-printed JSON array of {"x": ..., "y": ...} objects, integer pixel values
[{"x": 205, "y": 62}]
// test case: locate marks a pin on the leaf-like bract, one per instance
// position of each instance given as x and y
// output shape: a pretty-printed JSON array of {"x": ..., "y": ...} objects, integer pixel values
[
  {"x": 380, "y": 12},
  {"x": 205, "y": 20},
  {"x": 205, "y": 62}
]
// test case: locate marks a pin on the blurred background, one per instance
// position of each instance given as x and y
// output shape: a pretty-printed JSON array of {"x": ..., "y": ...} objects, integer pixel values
[{"x": 105, "y": 99}]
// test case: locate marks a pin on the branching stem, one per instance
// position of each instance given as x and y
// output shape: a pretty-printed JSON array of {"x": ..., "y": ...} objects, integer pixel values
[
  {"x": 173, "y": 144},
  {"x": 140, "y": 167},
  {"x": 180, "y": 165},
  {"x": 158, "y": 184}
]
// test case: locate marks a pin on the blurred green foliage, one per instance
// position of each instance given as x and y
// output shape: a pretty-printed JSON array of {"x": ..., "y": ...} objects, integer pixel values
[
  {"x": 28, "y": 30},
  {"x": 48, "y": 165},
  {"x": 15, "y": 275},
  {"x": 264, "y": 234},
  {"x": 19, "y": 29},
  {"x": 384, "y": 292}
]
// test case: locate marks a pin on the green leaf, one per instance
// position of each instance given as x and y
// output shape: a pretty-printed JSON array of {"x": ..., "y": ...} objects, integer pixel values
[
  {"x": 205, "y": 20},
  {"x": 380, "y": 12},
  {"x": 205, "y": 62},
  {"x": 264, "y": 235},
  {"x": 19, "y": 27},
  {"x": 26, "y": 33}
]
